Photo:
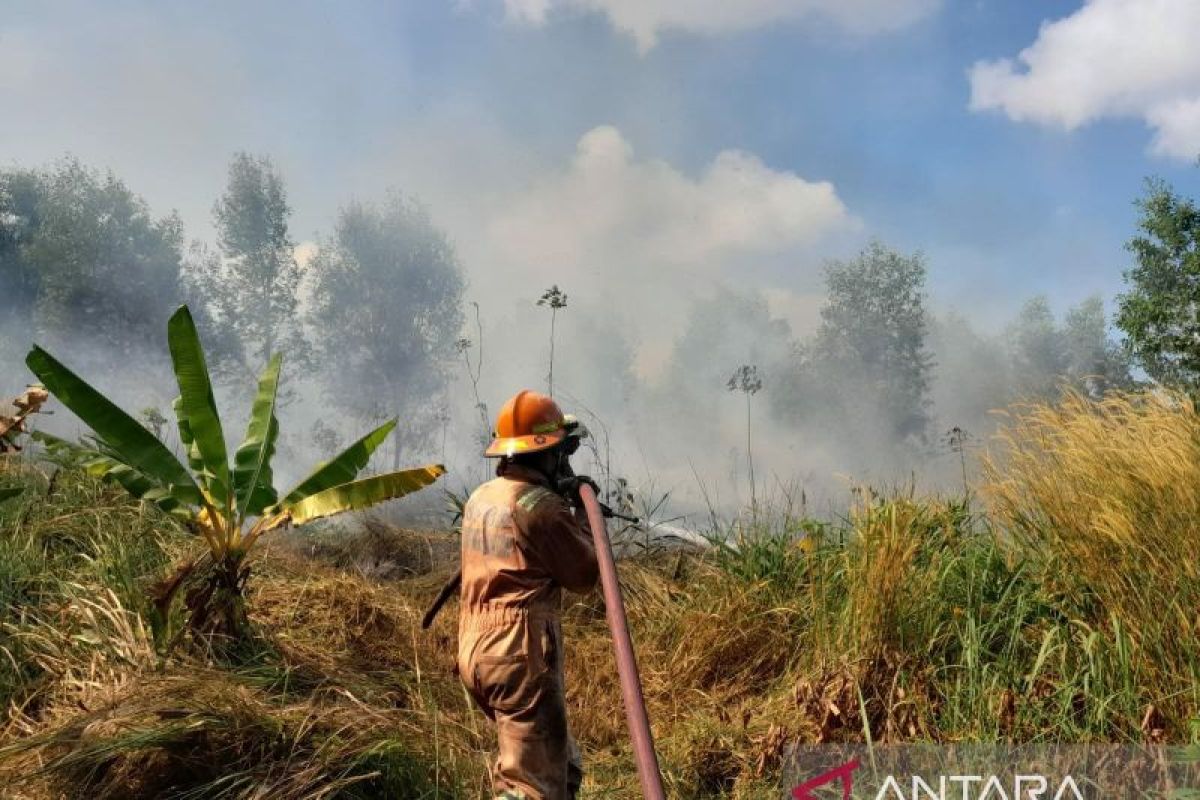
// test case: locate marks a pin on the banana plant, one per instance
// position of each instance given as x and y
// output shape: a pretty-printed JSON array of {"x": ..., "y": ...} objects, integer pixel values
[{"x": 229, "y": 504}]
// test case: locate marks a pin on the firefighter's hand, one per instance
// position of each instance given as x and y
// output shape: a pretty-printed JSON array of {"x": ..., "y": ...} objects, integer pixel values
[{"x": 568, "y": 487}]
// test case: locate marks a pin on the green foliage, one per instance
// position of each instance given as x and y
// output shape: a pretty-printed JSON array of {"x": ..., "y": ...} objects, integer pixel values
[
  {"x": 920, "y": 595},
  {"x": 69, "y": 539},
  {"x": 776, "y": 556},
  {"x": 1095, "y": 364},
  {"x": 387, "y": 308},
  {"x": 1038, "y": 349},
  {"x": 1158, "y": 312},
  {"x": 83, "y": 259},
  {"x": 392, "y": 769},
  {"x": 130, "y": 443},
  {"x": 229, "y": 508},
  {"x": 911, "y": 619},
  {"x": 1047, "y": 356},
  {"x": 975, "y": 374},
  {"x": 745, "y": 379},
  {"x": 20, "y": 197},
  {"x": 363, "y": 493},
  {"x": 715, "y": 336},
  {"x": 252, "y": 477},
  {"x": 249, "y": 292},
  {"x": 343, "y": 468},
  {"x": 873, "y": 328},
  {"x": 554, "y": 299},
  {"x": 197, "y": 408}
]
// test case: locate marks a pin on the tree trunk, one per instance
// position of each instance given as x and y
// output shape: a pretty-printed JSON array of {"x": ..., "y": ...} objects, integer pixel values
[
  {"x": 216, "y": 605},
  {"x": 550, "y": 378},
  {"x": 750, "y": 460}
]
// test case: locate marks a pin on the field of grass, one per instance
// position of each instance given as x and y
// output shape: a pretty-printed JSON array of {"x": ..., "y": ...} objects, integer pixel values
[{"x": 1057, "y": 602}]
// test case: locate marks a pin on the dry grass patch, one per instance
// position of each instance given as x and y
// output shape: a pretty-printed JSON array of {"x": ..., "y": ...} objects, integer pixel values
[
  {"x": 1108, "y": 495},
  {"x": 1061, "y": 614}
]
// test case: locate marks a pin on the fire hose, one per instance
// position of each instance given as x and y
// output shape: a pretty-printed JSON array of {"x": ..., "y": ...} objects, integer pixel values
[{"x": 631, "y": 685}]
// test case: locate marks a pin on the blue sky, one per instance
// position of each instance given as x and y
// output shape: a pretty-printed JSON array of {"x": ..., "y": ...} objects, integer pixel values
[{"x": 569, "y": 140}]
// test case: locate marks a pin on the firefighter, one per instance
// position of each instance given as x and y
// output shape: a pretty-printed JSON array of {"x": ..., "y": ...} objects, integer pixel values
[{"x": 522, "y": 544}]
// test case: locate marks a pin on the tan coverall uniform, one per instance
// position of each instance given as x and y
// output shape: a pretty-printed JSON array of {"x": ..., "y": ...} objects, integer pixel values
[{"x": 521, "y": 544}]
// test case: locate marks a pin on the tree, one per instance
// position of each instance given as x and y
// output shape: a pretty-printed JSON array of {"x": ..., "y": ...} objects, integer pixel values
[
  {"x": 251, "y": 289},
  {"x": 229, "y": 505},
  {"x": 745, "y": 379},
  {"x": 20, "y": 214},
  {"x": 872, "y": 332},
  {"x": 84, "y": 263},
  {"x": 387, "y": 310},
  {"x": 1095, "y": 363},
  {"x": 1047, "y": 356},
  {"x": 19, "y": 194},
  {"x": 1038, "y": 350},
  {"x": 1160, "y": 312},
  {"x": 554, "y": 299}
]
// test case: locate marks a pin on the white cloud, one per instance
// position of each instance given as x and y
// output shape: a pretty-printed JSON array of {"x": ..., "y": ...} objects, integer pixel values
[
  {"x": 608, "y": 213},
  {"x": 638, "y": 239},
  {"x": 645, "y": 20},
  {"x": 1111, "y": 58},
  {"x": 1177, "y": 126}
]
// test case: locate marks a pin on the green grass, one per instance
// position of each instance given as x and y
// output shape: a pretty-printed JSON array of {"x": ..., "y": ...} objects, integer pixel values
[
  {"x": 946, "y": 630},
  {"x": 68, "y": 542},
  {"x": 105, "y": 710},
  {"x": 1044, "y": 610}
]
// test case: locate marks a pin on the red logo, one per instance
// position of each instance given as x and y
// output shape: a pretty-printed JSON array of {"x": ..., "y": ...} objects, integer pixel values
[{"x": 843, "y": 773}]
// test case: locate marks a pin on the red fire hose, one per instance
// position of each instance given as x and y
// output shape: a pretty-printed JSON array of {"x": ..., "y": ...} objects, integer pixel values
[{"x": 631, "y": 684}]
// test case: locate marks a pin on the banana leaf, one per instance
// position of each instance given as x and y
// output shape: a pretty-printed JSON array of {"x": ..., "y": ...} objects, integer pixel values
[
  {"x": 342, "y": 469},
  {"x": 137, "y": 484},
  {"x": 197, "y": 404},
  {"x": 252, "y": 480},
  {"x": 106, "y": 466},
  {"x": 10, "y": 492},
  {"x": 365, "y": 493},
  {"x": 186, "y": 439},
  {"x": 137, "y": 447}
]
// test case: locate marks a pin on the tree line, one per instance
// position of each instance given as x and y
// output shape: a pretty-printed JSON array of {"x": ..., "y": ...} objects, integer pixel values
[
  {"x": 884, "y": 376},
  {"x": 374, "y": 317},
  {"x": 88, "y": 269}
]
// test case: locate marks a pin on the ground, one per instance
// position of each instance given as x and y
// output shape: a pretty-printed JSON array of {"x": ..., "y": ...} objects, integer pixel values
[{"x": 1052, "y": 603}]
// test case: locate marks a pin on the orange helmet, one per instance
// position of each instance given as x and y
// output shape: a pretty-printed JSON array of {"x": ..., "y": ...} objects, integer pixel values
[{"x": 527, "y": 423}]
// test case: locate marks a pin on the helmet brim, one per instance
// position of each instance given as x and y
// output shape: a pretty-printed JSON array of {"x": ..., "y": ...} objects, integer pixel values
[{"x": 515, "y": 445}]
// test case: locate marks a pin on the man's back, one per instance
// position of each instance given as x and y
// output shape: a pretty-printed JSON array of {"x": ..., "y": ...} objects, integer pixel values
[{"x": 520, "y": 543}]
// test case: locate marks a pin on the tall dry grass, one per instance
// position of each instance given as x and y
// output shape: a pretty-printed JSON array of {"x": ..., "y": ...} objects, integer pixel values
[
  {"x": 1106, "y": 496},
  {"x": 93, "y": 704}
]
